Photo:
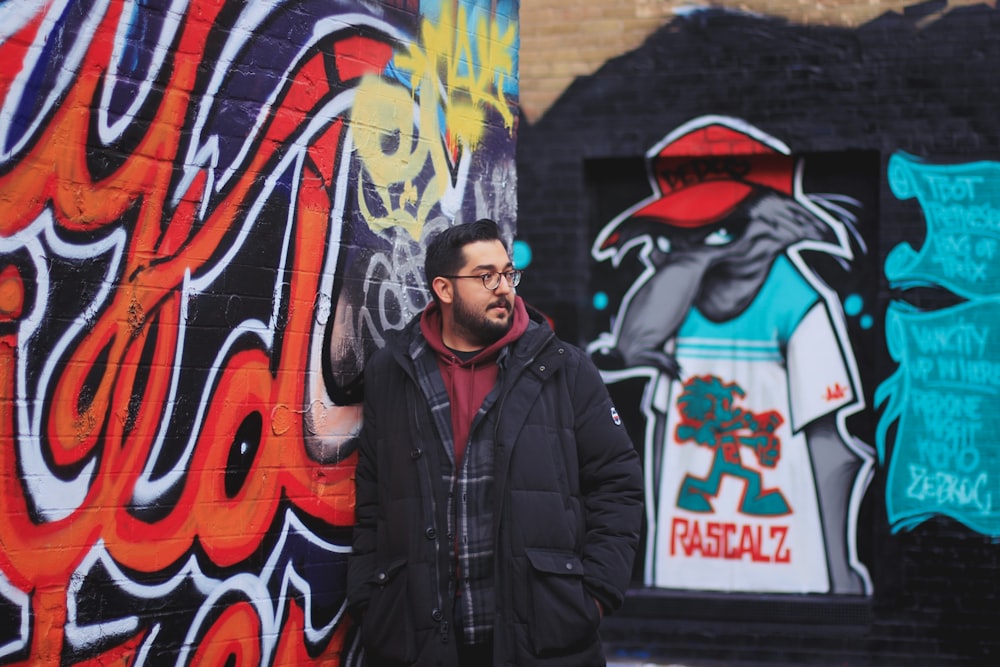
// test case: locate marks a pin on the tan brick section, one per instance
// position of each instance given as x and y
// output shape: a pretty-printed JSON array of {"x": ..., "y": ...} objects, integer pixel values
[{"x": 564, "y": 39}]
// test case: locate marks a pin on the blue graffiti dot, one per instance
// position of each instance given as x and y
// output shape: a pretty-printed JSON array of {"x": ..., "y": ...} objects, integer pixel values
[
  {"x": 522, "y": 254},
  {"x": 867, "y": 322},
  {"x": 600, "y": 300},
  {"x": 853, "y": 304}
]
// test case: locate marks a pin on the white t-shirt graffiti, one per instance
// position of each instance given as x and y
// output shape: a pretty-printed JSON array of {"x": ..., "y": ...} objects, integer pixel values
[{"x": 736, "y": 503}]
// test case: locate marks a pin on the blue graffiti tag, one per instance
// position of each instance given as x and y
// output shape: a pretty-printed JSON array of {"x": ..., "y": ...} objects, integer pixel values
[{"x": 946, "y": 456}]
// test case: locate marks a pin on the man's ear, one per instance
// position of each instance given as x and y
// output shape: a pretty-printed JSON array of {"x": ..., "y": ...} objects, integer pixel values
[{"x": 444, "y": 289}]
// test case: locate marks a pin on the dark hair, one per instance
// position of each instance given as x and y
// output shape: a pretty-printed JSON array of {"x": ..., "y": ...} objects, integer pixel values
[{"x": 445, "y": 251}]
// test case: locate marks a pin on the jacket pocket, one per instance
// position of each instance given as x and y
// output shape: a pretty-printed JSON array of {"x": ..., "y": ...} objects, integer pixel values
[
  {"x": 387, "y": 625},
  {"x": 565, "y": 616}
]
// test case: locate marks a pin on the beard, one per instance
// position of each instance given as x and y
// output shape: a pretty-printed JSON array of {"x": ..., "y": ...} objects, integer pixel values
[{"x": 477, "y": 326}]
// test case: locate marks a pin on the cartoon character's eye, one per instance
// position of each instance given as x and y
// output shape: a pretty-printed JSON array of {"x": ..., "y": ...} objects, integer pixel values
[
  {"x": 663, "y": 244},
  {"x": 719, "y": 237}
]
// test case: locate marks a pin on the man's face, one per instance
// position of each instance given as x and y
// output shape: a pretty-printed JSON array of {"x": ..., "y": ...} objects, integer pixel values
[{"x": 480, "y": 316}]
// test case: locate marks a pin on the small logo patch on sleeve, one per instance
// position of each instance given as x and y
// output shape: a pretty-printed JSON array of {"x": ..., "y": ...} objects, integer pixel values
[{"x": 614, "y": 417}]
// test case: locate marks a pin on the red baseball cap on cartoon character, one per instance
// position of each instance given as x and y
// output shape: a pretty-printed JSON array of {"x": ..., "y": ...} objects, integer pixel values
[{"x": 702, "y": 171}]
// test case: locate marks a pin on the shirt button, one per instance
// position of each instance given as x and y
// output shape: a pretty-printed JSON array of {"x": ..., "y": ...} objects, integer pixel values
[
  {"x": 381, "y": 577},
  {"x": 569, "y": 566},
  {"x": 416, "y": 453},
  {"x": 437, "y": 615},
  {"x": 430, "y": 533}
]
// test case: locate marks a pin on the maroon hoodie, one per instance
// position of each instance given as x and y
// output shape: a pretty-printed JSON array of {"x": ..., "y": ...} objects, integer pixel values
[{"x": 468, "y": 382}]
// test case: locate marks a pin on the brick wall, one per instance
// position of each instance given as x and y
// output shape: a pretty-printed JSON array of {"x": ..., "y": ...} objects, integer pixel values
[
  {"x": 561, "y": 41},
  {"x": 864, "y": 91},
  {"x": 210, "y": 213}
]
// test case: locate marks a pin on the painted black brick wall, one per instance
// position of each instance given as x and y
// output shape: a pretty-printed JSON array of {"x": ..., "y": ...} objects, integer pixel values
[{"x": 899, "y": 83}]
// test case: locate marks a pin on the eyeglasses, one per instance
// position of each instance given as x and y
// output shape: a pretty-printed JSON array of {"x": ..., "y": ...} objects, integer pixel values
[{"x": 491, "y": 280}]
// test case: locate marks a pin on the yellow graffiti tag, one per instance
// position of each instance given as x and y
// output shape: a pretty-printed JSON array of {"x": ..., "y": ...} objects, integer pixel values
[
  {"x": 475, "y": 75},
  {"x": 395, "y": 154},
  {"x": 399, "y": 140}
]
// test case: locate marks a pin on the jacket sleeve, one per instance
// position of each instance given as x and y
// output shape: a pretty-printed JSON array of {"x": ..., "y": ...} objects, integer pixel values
[
  {"x": 361, "y": 563},
  {"x": 611, "y": 484}
]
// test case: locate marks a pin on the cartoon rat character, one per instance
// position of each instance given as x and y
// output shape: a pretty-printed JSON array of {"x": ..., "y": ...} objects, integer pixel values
[{"x": 726, "y": 301}]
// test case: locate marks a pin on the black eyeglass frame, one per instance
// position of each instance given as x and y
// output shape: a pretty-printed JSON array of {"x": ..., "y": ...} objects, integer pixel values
[{"x": 513, "y": 277}]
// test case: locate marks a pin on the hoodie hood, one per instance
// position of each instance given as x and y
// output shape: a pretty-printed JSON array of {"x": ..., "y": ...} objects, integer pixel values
[{"x": 468, "y": 382}]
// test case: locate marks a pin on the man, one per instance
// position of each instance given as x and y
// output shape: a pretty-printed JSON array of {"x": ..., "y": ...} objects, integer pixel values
[{"x": 499, "y": 498}]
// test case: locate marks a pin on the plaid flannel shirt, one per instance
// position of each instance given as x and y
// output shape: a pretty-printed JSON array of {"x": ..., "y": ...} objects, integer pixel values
[{"x": 470, "y": 501}]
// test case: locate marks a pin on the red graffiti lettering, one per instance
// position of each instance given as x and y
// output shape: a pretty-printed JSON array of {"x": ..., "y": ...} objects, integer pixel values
[
  {"x": 729, "y": 541},
  {"x": 108, "y": 397}
]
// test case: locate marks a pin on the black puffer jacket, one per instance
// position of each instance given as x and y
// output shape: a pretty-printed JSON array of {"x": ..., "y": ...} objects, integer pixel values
[{"x": 568, "y": 495}]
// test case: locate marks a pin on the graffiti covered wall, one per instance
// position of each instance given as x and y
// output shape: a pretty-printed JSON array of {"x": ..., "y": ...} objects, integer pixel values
[{"x": 211, "y": 211}]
